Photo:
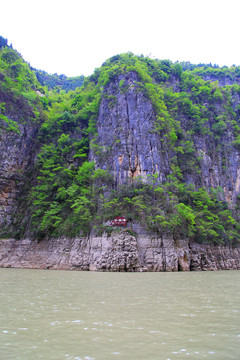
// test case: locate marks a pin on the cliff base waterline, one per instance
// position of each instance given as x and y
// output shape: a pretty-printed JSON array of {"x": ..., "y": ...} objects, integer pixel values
[{"x": 120, "y": 251}]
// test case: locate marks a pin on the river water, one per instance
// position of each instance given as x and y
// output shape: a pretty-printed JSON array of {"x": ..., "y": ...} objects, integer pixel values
[{"x": 131, "y": 316}]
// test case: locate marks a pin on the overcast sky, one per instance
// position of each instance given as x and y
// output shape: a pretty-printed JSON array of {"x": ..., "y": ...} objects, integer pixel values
[{"x": 74, "y": 37}]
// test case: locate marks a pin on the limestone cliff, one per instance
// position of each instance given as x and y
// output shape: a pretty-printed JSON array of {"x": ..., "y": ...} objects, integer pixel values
[
  {"x": 18, "y": 151},
  {"x": 129, "y": 145},
  {"x": 119, "y": 252},
  {"x": 168, "y": 139},
  {"x": 125, "y": 126}
]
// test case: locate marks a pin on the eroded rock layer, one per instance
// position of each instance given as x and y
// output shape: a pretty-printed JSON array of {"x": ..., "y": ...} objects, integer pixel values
[
  {"x": 119, "y": 252},
  {"x": 17, "y": 153},
  {"x": 126, "y": 140},
  {"x": 129, "y": 146}
]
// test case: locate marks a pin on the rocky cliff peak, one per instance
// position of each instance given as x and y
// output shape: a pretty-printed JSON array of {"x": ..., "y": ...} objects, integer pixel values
[
  {"x": 129, "y": 147},
  {"x": 142, "y": 138}
]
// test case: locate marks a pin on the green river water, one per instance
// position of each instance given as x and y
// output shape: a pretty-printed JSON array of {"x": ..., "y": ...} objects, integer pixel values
[{"x": 87, "y": 315}]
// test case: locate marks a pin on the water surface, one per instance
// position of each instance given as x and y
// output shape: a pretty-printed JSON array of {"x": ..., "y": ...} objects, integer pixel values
[{"x": 86, "y": 315}]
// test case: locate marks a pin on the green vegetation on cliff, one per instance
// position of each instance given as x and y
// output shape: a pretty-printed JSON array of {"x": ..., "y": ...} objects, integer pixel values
[
  {"x": 69, "y": 195},
  {"x": 20, "y": 92},
  {"x": 60, "y": 82}
]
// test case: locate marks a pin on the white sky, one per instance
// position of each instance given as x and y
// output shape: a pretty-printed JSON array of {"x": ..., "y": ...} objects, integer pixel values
[{"x": 74, "y": 37}]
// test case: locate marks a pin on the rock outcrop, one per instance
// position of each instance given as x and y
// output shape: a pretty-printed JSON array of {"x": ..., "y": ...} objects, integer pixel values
[
  {"x": 18, "y": 150},
  {"x": 119, "y": 252},
  {"x": 133, "y": 118},
  {"x": 127, "y": 145}
]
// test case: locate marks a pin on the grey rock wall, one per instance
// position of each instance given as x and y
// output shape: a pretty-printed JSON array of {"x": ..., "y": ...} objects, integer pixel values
[
  {"x": 17, "y": 153},
  {"x": 126, "y": 144},
  {"x": 119, "y": 252},
  {"x": 17, "y": 156}
]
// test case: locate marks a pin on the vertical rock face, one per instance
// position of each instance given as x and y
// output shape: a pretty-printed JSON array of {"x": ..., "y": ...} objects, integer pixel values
[
  {"x": 17, "y": 151},
  {"x": 220, "y": 167},
  {"x": 188, "y": 134},
  {"x": 128, "y": 146},
  {"x": 120, "y": 252}
]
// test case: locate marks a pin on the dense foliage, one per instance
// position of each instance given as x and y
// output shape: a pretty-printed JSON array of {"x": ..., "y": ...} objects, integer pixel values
[
  {"x": 3, "y": 42},
  {"x": 62, "y": 82},
  {"x": 22, "y": 97},
  {"x": 68, "y": 196}
]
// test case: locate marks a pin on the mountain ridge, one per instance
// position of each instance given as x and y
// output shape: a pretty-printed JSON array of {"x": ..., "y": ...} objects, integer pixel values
[{"x": 140, "y": 138}]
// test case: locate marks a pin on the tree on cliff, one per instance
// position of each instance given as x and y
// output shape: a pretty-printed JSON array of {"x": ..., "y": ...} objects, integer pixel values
[{"x": 73, "y": 186}]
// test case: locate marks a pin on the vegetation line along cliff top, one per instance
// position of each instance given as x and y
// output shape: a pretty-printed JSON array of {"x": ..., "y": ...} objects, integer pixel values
[{"x": 152, "y": 141}]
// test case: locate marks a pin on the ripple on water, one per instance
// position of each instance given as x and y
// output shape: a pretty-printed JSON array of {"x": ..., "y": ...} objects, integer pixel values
[
  {"x": 53, "y": 323},
  {"x": 78, "y": 357},
  {"x": 78, "y": 322},
  {"x": 110, "y": 327}
]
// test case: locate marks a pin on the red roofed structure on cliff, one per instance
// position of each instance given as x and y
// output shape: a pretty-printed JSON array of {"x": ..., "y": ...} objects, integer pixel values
[{"x": 119, "y": 220}]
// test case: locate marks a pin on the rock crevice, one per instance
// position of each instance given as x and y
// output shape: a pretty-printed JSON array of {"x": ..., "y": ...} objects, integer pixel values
[{"x": 120, "y": 252}]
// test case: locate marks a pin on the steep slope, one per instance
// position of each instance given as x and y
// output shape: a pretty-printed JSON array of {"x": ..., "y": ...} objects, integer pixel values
[
  {"x": 62, "y": 82},
  {"x": 21, "y": 113},
  {"x": 129, "y": 144},
  {"x": 133, "y": 142},
  {"x": 142, "y": 139},
  {"x": 119, "y": 252},
  {"x": 178, "y": 131}
]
